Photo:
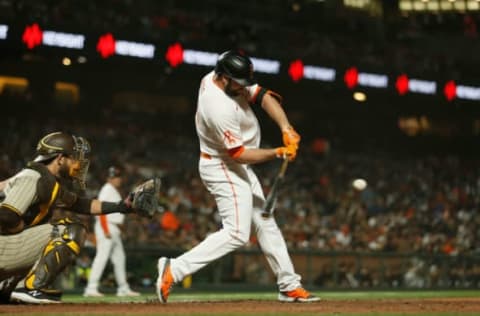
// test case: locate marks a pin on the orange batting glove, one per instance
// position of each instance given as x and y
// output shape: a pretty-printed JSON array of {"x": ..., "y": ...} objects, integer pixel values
[
  {"x": 290, "y": 137},
  {"x": 289, "y": 152}
]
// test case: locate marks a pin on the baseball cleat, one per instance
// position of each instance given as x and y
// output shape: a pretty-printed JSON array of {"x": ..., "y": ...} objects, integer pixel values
[
  {"x": 24, "y": 295},
  {"x": 92, "y": 293},
  {"x": 165, "y": 279},
  {"x": 298, "y": 295},
  {"x": 128, "y": 293}
]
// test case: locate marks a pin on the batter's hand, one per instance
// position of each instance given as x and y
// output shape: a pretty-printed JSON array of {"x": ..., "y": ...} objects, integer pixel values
[
  {"x": 290, "y": 137},
  {"x": 288, "y": 152}
]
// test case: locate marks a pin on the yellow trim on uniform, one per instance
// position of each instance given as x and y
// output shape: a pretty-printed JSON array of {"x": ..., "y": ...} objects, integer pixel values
[
  {"x": 11, "y": 208},
  {"x": 46, "y": 206},
  {"x": 68, "y": 220},
  {"x": 74, "y": 246},
  {"x": 29, "y": 281},
  {"x": 49, "y": 247}
]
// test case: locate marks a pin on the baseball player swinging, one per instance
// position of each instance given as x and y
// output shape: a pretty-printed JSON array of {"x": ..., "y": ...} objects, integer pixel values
[
  {"x": 30, "y": 197},
  {"x": 229, "y": 135}
]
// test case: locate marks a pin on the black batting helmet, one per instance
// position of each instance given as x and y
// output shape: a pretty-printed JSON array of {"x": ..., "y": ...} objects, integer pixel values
[
  {"x": 237, "y": 66},
  {"x": 57, "y": 143}
]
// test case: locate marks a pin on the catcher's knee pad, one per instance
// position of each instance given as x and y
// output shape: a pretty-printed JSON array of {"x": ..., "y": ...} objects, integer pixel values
[
  {"x": 76, "y": 232},
  {"x": 57, "y": 255}
]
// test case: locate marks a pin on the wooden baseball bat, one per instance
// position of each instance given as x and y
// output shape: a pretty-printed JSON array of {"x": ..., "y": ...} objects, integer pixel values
[{"x": 271, "y": 199}]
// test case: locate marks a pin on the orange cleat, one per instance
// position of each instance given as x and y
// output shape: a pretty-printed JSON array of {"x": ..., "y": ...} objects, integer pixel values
[
  {"x": 165, "y": 279},
  {"x": 298, "y": 295}
]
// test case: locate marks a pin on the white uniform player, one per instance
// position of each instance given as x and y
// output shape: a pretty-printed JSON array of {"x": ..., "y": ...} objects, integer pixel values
[
  {"x": 109, "y": 241},
  {"x": 229, "y": 135}
]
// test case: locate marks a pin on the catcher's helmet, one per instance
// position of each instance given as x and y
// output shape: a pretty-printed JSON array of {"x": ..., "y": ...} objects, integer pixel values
[
  {"x": 58, "y": 143},
  {"x": 237, "y": 66}
]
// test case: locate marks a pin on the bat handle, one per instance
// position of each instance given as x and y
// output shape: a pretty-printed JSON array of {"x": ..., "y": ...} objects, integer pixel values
[
  {"x": 267, "y": 212},
  {"x": 283, "y": 168}
]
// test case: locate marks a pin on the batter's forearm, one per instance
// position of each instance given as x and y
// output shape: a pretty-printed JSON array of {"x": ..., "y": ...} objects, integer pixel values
[
  {"x": 256, "y": 155},
  {"x": 275, "y": 110}
]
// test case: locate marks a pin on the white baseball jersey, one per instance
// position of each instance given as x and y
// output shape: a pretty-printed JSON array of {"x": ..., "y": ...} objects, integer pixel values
[
  {"x": 224, "y": 123},
  {"x": 234, "y": 123},
  {"x": 109, "y": 193}
]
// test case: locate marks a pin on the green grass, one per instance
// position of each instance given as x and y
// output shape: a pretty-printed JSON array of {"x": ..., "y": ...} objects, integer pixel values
[
  {"x": 185, "y": 296},
  {"x": 195, "y": 296}
]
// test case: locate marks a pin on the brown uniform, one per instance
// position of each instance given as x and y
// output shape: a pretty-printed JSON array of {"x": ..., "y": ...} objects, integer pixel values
[{"x": 32, "y": 193}]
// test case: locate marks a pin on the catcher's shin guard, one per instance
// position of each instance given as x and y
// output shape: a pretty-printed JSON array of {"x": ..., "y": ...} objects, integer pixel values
[{"x": 56, "y": 256}]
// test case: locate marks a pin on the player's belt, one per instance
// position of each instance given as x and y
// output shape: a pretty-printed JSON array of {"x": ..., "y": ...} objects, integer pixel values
[{"x": 205, "y": 155}]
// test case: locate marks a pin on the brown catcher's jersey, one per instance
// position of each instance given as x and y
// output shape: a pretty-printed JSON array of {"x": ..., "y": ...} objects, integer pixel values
[
  {"x": 61, "y": 214},
  {"x": 34, "y": 192}
]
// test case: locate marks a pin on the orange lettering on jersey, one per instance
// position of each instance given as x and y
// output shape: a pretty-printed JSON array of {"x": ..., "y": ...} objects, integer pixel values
[{"x": 229, "y": 138}]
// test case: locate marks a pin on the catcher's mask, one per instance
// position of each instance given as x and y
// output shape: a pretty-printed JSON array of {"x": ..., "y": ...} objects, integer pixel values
[
  {"x": 237, "y": 66},
  {"x": 74, "y": 147}
]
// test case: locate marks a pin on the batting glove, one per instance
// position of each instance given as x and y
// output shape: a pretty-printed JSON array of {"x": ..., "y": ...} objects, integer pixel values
[
  {"x": 288, "y": 152},
  {"x": 290, "y": 137}
]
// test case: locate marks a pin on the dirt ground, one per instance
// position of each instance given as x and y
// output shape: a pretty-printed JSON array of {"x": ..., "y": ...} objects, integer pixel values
[{"x": 458, "y": 305}]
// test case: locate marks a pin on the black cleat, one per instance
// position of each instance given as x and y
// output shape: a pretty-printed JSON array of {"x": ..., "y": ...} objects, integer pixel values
[{"x": 24, "y": 295}]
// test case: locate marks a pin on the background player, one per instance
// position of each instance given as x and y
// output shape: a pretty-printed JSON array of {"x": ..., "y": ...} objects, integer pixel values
[
  {"x": 109, "y": 240},
  {"x": 229, "y": 135}
]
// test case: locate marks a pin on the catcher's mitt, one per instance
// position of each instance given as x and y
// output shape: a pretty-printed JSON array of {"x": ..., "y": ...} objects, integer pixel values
[{"x": 144, "y": 198}]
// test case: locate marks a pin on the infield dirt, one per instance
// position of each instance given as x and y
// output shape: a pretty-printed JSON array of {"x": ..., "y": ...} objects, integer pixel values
[{"x": 407, "y": 306}]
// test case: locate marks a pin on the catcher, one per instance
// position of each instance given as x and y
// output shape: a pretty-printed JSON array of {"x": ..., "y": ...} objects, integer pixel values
[
  {"x": 30, "y": 198},
  {"x": 66, "y": 239}
]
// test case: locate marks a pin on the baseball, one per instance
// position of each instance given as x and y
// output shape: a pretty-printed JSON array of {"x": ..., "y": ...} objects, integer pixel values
[{"x": 359, "y": 184}]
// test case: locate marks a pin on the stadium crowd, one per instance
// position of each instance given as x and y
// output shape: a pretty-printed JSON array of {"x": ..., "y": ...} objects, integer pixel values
[
  {"x": 421, "y": 204},
  {"x": 424, "y": 204}
]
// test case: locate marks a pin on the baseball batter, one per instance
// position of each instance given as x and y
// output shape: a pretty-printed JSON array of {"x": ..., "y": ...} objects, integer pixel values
[
  {"x": 229, "y": 135},
  {"x": 109, "y": 240}
]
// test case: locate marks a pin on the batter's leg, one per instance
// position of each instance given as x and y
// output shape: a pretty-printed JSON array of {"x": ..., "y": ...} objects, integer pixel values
[
  {"x": 271, "y": 241},
  {"x": 274, "y": 248},
  {"x": 234, "y": 201}
]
